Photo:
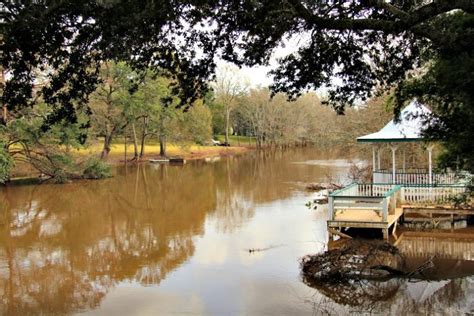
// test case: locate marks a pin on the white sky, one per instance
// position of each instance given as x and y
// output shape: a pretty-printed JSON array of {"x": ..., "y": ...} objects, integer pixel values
[{"x": 258, "y": 76}]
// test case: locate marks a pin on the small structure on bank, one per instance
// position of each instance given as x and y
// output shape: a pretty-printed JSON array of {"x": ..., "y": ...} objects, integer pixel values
[{"x": 398, "y": 190}]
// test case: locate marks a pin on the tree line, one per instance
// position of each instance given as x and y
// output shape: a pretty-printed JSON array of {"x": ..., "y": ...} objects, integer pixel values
[
  {"x": 419, "y": 49},
  {"x": 134, "y": 109}
]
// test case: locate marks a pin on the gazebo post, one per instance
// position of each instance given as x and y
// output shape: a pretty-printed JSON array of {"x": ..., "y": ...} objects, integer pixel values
[
  {"x": 378, "y": 157},
  {"x": 373, "y": 159},
  {"x": 430, "y": 164},
  {"x": 394, "y": 168},
  {"x": 404, "y": 160}
]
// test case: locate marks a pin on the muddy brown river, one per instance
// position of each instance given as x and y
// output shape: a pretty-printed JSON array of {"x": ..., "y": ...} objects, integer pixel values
[{"x": 165, "y": 239}]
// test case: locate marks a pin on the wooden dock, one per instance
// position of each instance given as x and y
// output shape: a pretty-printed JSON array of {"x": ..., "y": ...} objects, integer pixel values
[
  {"x": 364, "y": 206},
  {"x": 380, "y": 206},
  {"x": 363, "y": 219},
  {"x": 435, "y": 214}
]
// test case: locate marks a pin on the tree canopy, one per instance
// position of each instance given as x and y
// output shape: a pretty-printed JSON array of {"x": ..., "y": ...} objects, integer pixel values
[{"x": 356, "y": 48}]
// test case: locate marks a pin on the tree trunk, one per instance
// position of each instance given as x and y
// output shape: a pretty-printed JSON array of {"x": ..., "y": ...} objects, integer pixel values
[
  {"x": 106, "y": 150},
  {"x": 4, "y": 106},
  {"x": 135, "y": 143},
  {"x": 4, "y": 115},
  {"x": 144, "y": 132},
  {"x": 227, "y": 118},
  {"x": 125, "y": 148},
  {"x": 162, "y": 145}
]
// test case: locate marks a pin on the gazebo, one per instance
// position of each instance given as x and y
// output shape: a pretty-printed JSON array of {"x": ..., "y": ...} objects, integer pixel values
[
  {"x": 393, "y": 192},
  {"x": 408, "y": 129}
]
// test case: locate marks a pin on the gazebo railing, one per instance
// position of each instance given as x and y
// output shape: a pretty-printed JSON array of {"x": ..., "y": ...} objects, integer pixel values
[
  {"x": 379, "y": 197},
  {"x": 418, "y": 176}
]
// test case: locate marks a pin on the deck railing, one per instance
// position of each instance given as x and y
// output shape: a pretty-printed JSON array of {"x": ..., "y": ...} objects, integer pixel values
[
  {"x": 434, "y": 194},
  {"x": 417, "y": 176},
  {"x": 382, "y": 198}
]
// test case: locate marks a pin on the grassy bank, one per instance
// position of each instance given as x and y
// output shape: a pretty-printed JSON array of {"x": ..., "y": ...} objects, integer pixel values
[
  {"x": 189, "y": 152},
  {"x": 152, "y": 150}
]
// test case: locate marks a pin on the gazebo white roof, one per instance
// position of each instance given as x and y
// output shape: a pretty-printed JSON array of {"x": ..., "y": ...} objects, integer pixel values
[{"x": 409, "y": 128}]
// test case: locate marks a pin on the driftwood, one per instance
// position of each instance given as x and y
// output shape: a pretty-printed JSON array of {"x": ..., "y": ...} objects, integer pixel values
[
  {"x": 322, "y": 186},
  {"x": 360, "y": 273},
  {"x": 322, "y": 192},
  {"x": 359, "y": 259},
  {"x": 355, "y": 260}
]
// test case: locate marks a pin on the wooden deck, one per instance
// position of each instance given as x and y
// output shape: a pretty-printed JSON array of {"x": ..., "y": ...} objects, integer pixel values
[
  {"x": 435, "y": 214},
  {"x": 362, "y": 219},
  {"x": 380, "y": 205}
]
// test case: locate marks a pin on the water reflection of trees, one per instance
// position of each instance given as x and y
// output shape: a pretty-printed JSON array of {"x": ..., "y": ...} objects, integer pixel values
[
  {"x": 62, "y": 248},
  {"x": 259, "y": 178}
]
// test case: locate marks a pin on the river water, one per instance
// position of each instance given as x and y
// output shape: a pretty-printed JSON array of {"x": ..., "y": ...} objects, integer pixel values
[{"x": 221, "y": 237}]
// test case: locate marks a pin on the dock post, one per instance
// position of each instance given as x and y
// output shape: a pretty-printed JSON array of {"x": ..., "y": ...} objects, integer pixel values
[
  {"x": 385, "y": 233},
  {"x": 331, "y": 207},
  {"x": 384, "y": 210}
]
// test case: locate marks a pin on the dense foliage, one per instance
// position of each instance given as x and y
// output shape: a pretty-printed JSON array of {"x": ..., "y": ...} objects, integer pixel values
[
  {"x": 60, "y": 151},
  {"x": 364, "y": 43},
  {"x": 356, "y": 48},
  {"x": 6, "y": 163}
]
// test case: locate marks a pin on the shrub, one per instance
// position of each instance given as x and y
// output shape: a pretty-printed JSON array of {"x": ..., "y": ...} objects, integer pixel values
[
  {"x": 6, "y": 164},
  {"x": 95, "y": 168}
]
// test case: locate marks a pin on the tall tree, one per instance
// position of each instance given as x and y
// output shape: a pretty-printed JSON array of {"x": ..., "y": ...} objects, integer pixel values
[
  {"x": 147, "y": 107},
  {"x": 109, "y": 101},
  {"x": 228, "y": 86}
]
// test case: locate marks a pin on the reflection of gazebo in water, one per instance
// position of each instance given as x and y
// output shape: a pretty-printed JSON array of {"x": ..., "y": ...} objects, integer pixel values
[{"x": 381, "y": 203}]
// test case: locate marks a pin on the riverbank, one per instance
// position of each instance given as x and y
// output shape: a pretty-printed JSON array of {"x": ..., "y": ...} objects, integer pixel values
[
  {"x": 119, "y": 154},
  {"x": 192, "y": 152}
]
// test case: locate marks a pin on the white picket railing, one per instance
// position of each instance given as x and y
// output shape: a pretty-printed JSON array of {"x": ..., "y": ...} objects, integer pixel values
[
  {"x": 415, "y": 177},
  {"x": 430, "y": 194}
]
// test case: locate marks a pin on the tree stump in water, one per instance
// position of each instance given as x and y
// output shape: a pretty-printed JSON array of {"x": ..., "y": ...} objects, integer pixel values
[{"x": 355, "y": 260}]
